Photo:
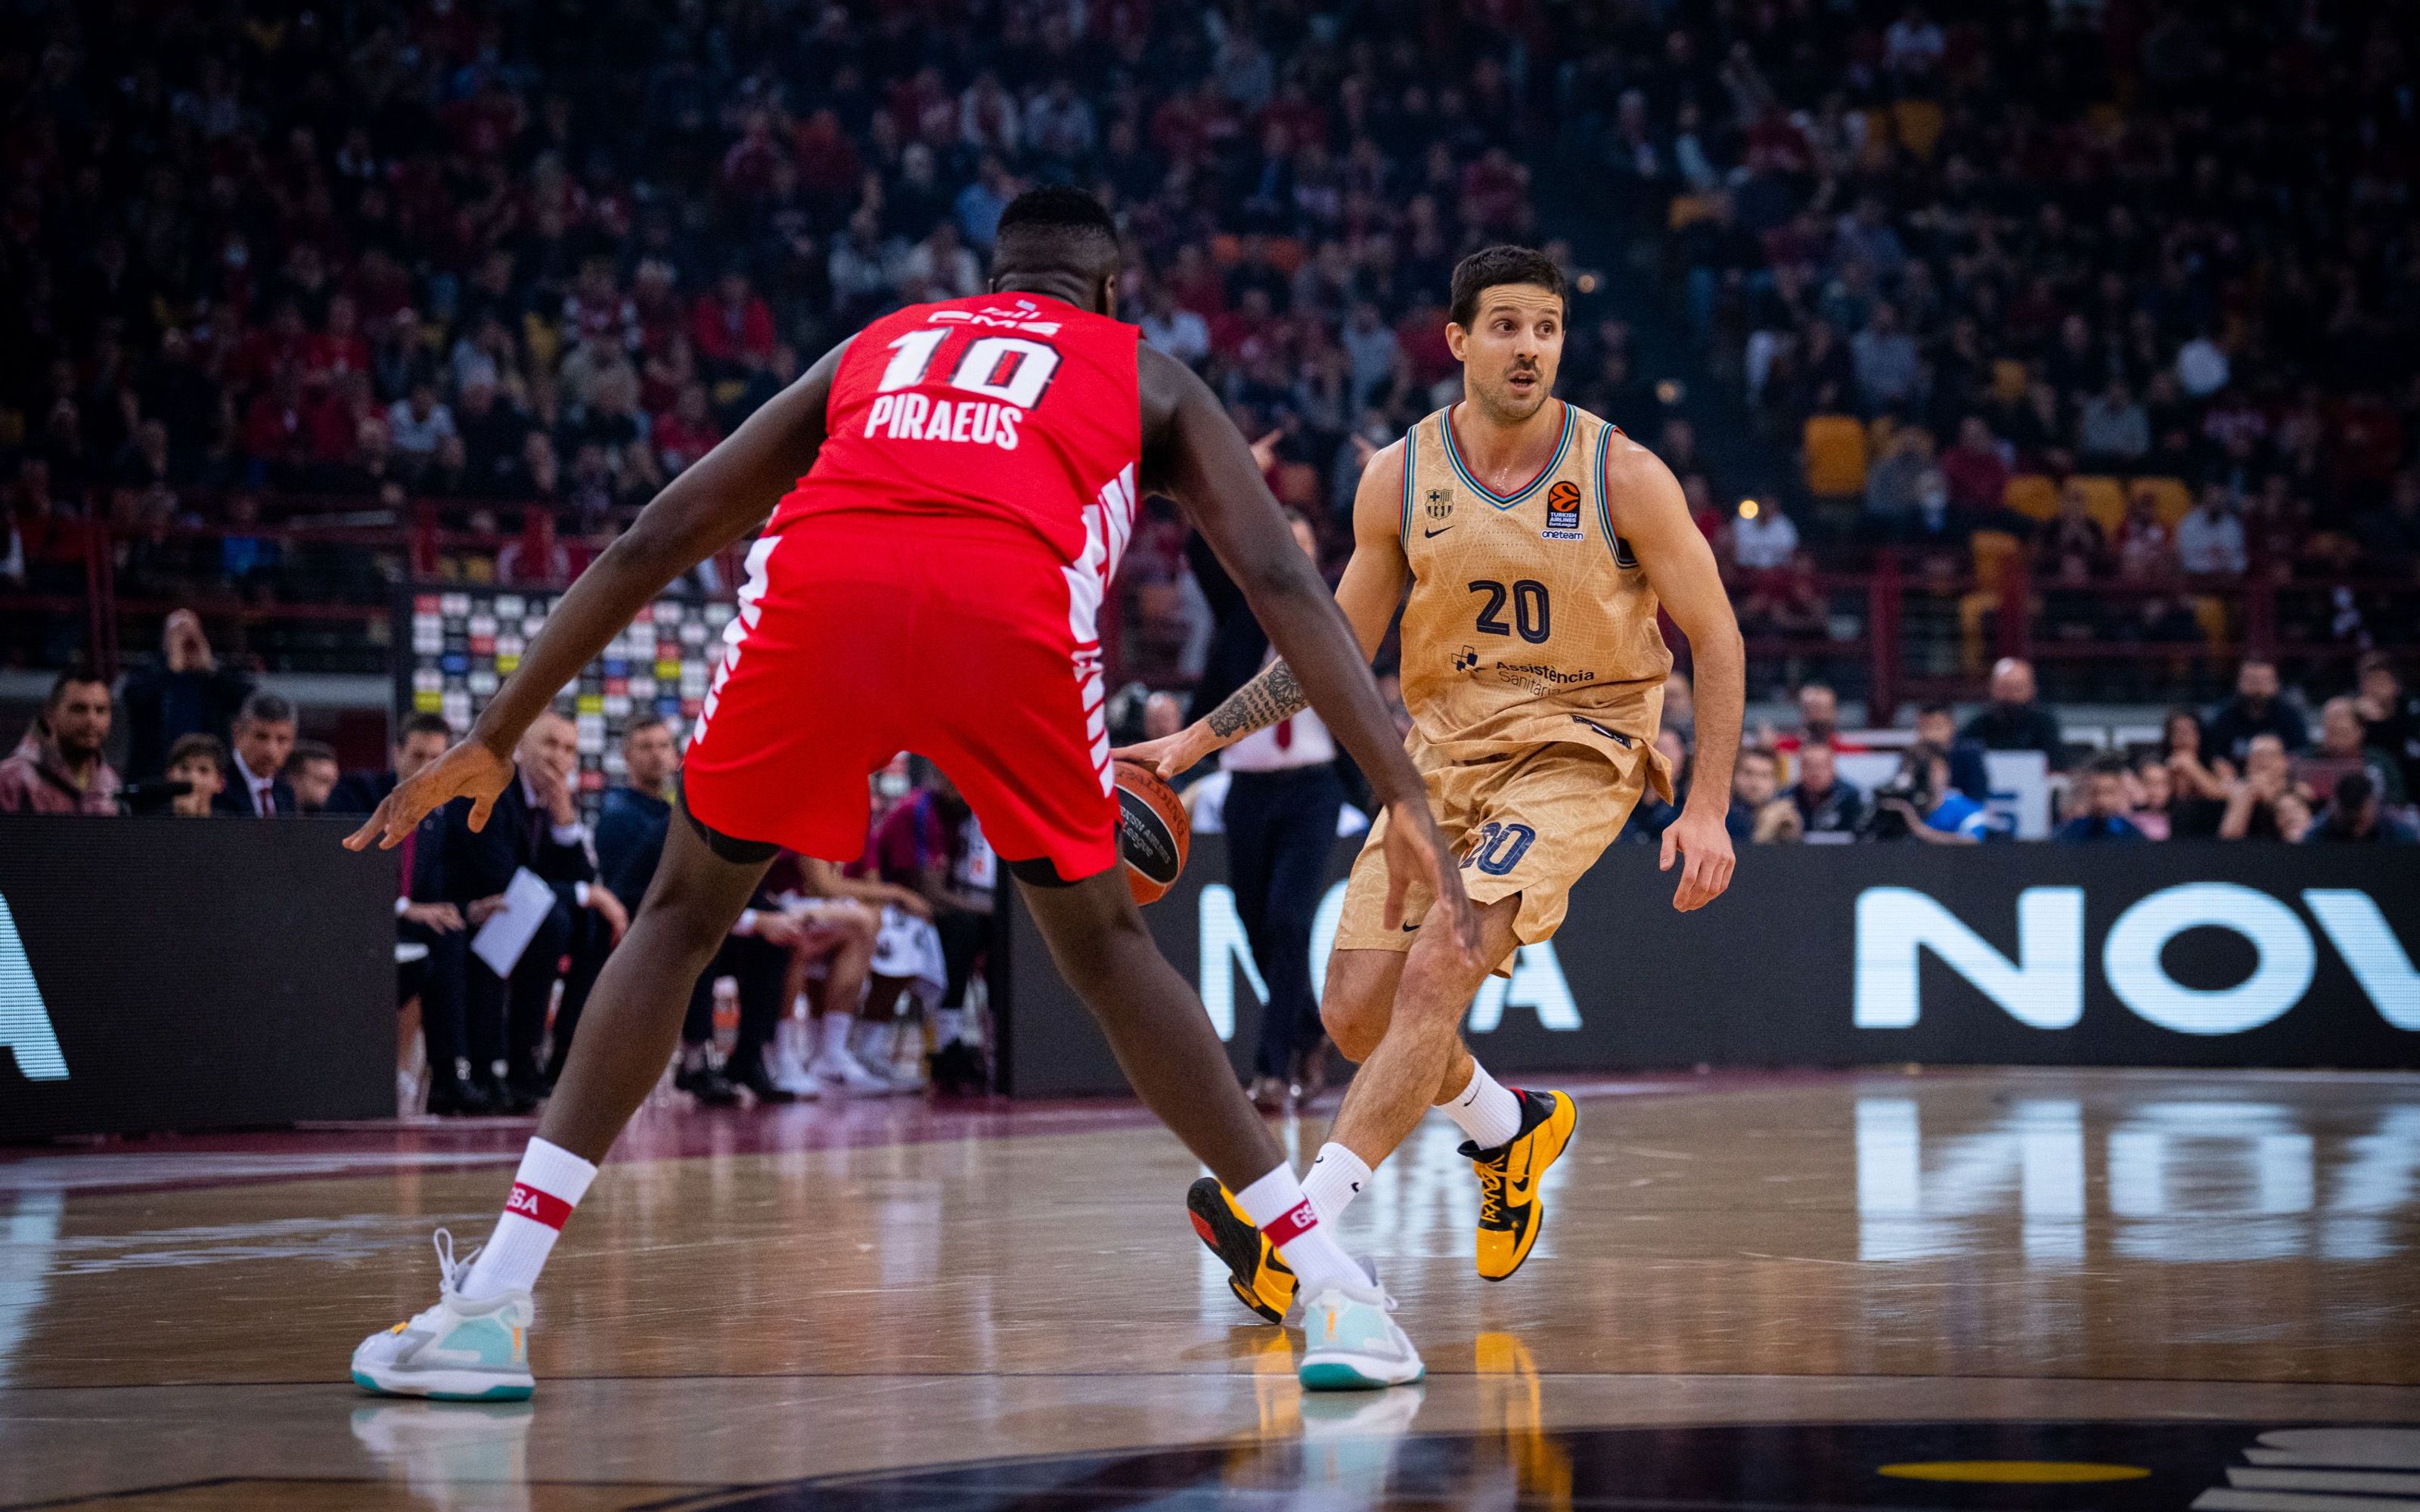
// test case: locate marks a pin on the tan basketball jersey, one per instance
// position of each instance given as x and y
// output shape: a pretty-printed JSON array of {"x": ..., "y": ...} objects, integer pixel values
[{"x": 1529, "y": 620}]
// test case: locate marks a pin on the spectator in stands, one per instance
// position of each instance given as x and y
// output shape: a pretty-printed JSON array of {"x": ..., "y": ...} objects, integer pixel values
[
  {"x": 1755, "y": 782},
  {"x": 417, "y": 425},
  {"x": 263, "y": 738},
  {"x": 1763, "y": 539},
  {"x": 421, "y": 739},
  {"x": 2013, "y": 720},
  {"x": 1825, "y": 805},
  {"x": 536, "y": 825},
  {"x": 2198, "y": 788},
  {"x": 2257, "y": 709},
  {"x": 1921, "y": 804},
  {"x": 1976, "y": 469},
  {"x": 2343, "y": 747},
  {"x": 2390, "y": 533},
  {"x": 57, "y": 767},
  {"x": 311, "y": 771},
  {"x": 2256, "y": 801},
  {"x": 2356, "y": 814},
  {"x": 2103, "y": 814},
  {"x": 2154, "y": 794},
  {"x": 2209, "y": 539},
  {"x": 185, "y": 692},
  {"x": 1895, "y": 486},
  {"x": 2390, "y": 717},
  {"x": 199, "y": 762}
]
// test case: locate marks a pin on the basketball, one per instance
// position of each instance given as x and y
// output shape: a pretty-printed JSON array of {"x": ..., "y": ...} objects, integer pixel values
[{"x": 1152, "y": 831}]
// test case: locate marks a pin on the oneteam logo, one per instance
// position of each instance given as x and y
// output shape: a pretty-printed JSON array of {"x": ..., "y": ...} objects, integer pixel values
[
  {"x": 2043, "y": 986},
  {"x": 25, "y": 1023},
  {"x": 1537, "y": 983}
]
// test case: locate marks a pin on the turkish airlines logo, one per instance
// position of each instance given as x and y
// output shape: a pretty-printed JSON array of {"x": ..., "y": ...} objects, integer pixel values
[
  {"x": 24, "y": 1022},
  {"x": 2044, "y": 987}
]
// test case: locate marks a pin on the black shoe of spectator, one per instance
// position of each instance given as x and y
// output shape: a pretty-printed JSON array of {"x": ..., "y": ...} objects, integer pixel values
[
  {"x": 759, "y": 1082},
  {"x": 510, "y": 1097},
  {"x": 709, "y": 1086},
  {"x": 959, "y": 1067},
  {"x": 461, "y": 1100},
  {"x": 531, "y": 1089}
]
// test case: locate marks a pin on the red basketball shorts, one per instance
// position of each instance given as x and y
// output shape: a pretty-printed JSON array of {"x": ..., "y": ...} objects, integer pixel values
[{"x": 859, "y": 637}]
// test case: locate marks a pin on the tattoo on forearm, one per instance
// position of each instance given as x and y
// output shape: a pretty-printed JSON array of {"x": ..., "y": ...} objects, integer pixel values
[{"x": 1272, "y": 696}]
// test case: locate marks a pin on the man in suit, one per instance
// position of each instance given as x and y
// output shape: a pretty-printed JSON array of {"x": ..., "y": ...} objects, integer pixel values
[
  {"x": 534, "y": 823},
  {"x": 422, "y": 739},
  {"x": 263, "y": 738}
]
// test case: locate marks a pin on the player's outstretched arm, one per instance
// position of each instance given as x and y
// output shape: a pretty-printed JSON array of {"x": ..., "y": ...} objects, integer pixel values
[
  {"x": 1192, "y": 453},
  {"x": 707, "y": 507},
  {"x": 1371, "y": 588},
  {"x": 1649, "y": 513}
]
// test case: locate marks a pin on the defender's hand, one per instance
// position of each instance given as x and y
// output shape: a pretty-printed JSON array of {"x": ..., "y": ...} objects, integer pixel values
[
  {"x": 1170, "y": 754},
  {"x": 442, "y": 919},
  {"x": 1708, "y": 846},
  {"x": 1415, "y": 851},
  {"x": 468, "y": 770}
]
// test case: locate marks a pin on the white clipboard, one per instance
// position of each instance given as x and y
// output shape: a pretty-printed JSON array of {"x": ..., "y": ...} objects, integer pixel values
[{"x": 528, "y": 899}]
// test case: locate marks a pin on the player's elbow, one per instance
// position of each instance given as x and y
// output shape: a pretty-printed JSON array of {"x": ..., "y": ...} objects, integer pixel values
[{"x": 1716, "y": 640}]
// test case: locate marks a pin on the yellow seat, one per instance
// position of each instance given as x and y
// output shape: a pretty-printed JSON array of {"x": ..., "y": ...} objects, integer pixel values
[
  {"x": 2210, "y": 612},
  {"x": 1879, "y": 432},
  {"x": 2032, "y": 495},
  {"x": 2171, "y": 501},
  {"x": 1835, "y": 456},
  {"x": 2007, "y": 380},
  {"x": 1688, "y": 210},
  {"x": 1918, "y": 123},
  {"x": 1996, "y": 552},
  {"x": 2105, "y": 501}
]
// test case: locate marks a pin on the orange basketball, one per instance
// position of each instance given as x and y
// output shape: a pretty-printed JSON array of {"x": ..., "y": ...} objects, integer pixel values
[{"x": 1153, "y": 831}]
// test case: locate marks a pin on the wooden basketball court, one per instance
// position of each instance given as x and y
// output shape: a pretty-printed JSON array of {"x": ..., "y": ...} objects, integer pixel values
[{"x": 1958, "y": 1289}]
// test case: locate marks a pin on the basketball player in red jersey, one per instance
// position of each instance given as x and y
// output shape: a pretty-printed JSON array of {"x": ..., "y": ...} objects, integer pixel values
[{"x": 961, "y": 479}]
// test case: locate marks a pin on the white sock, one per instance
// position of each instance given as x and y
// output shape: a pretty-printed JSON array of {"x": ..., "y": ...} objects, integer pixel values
[
  {"x": 832, "y": 1029},
  {"x": 1276, "y": 1204},
  {"x": 1336, "y": 1177},
  {"x": 549, "y": 1183},
  {"x": 1486, "y": 1109}
]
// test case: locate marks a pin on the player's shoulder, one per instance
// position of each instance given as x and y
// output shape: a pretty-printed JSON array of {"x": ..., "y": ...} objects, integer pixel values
[{"x": 1624, "y": 462}]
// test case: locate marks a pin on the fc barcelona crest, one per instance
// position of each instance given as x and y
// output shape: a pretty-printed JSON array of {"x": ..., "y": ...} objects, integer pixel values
[{"x": 1440, "y": 504}]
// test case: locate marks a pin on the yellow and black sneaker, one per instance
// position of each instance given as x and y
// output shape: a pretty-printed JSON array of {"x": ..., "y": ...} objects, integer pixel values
[
  {"x": 1259, "y": 1279},
  {"x": 1510, "y": 1213}
]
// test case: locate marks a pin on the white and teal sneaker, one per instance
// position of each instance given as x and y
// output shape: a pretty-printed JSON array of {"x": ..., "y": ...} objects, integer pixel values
[
  {"x": 459, "y": 1350},
  {"x": 1350, "y": 1344}
]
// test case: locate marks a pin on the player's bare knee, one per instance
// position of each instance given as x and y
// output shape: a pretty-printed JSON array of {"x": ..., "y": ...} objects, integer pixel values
[{"x": 1354, "y": 1031}]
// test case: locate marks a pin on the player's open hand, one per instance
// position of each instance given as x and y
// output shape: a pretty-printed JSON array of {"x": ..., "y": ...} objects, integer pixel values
[
  {"x": 1416, "y": 852},
  {"x": 469, "y": 769},
  {"x": 1171, "y": 755},
  {"x": 1707, "y": 845}
]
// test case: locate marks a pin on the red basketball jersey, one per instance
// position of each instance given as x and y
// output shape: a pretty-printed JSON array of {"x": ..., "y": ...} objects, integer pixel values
[{"x": 1009, "y": 407}]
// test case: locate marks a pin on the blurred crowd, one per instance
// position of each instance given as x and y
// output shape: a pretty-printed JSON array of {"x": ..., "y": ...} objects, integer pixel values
[
  {"x": 2259, "y": 766},
  {"x": 1966, "y": 255}
]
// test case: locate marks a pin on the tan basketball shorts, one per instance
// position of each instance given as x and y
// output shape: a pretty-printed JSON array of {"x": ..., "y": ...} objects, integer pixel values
[{"x": 1529, "y": 822}]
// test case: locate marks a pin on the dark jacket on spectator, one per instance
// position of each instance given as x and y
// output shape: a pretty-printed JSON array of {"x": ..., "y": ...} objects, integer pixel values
[
  {"x": 1837, "y": 809},
  {"x": 162, "y": 705},
  {"x": 2019, "y": 727},
  {"x": 2235, "y": 722},
  {"x": 361, "y": 792},
  {"x": 631, "y": 827},
  {"x": 481, "y": 863},
  {"x": 235, "y": 796}
]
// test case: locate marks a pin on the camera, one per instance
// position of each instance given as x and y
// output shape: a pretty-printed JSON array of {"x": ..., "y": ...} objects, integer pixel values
[{"x": 151, "y": 797}]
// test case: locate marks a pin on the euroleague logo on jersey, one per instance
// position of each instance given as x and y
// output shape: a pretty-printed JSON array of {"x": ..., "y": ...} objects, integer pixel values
[{"x": 1563, "y": 512}]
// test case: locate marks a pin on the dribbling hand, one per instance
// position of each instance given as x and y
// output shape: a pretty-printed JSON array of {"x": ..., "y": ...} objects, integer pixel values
[{"x": 469, "y": 769}]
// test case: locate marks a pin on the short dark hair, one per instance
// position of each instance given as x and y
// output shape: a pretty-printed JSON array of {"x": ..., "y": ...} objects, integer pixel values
[
  {"x": 1489, "y": 266},
  {"x": 1056, "y": 224},
  {"x": 309, "y": 751},
  {"x": 1935, "y": 708},
  {"x": 75, "y": 677},
  {"x": 646, "y": 719},
  {"x": 208, "y": 747},
  {"x": 2354, "y": 790},
  {"x": 1762, "y": 753},
  {"x": 268, "y": 708},
  {"x": 425, "y": 723},
  {"x": 2109, "y": 763}
]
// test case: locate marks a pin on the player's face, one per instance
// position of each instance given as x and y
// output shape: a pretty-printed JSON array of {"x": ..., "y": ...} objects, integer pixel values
[{"x": 1512, "y": 349}]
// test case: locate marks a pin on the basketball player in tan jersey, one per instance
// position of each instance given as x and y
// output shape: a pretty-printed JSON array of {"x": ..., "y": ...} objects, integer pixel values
[{"x": 1537, "y": 542}]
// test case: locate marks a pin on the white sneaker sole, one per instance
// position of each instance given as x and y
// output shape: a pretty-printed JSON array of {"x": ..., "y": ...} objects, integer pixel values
[
  {"x": 1343, "y": 1371},
  {"x": 445, "y": 1385}
]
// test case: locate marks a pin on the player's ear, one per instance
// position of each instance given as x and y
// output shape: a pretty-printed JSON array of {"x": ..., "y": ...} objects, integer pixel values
[
  {"x": 1457, "y": 340},
  {"x": 1109, "y": 295}
]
